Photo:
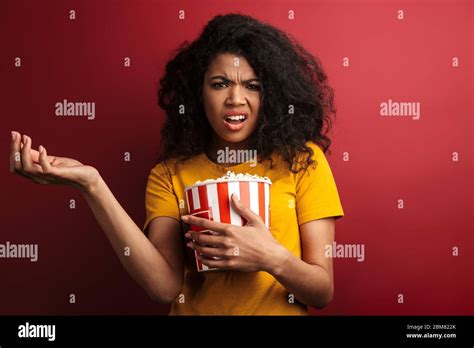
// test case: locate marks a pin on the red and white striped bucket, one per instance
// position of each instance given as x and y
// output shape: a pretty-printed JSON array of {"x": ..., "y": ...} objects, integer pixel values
[{"x": 212, "y": 200}]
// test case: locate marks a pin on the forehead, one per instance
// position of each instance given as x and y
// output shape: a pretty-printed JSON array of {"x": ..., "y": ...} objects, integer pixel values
[{"x": 230, "y": 64}]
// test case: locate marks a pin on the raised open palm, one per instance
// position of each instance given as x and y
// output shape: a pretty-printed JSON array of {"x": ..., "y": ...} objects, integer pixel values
[{"x": 43, "y": 169}]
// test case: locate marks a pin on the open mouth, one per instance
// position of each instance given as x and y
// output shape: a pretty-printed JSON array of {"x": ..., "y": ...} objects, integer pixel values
[{"x": 235, "y": 121}]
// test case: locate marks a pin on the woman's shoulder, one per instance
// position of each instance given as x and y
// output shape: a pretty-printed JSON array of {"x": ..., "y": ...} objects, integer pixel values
[
  {"x": 316, "y": 153},
  {"x": 317, "y": 149},
  {"x": 172, "y": 166}
]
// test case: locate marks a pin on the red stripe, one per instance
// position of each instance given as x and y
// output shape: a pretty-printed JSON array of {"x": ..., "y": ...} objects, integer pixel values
[
  {"x": 203, "y": 215},
  {"x": 244, "y": 196},
  {"x": 198, "y": 259},
  {"x": 261, "y": 200},
  {"x": 224, "y": 203},
  {"x": 203, "y": 197},
  {"x": 190, "y": 200}
]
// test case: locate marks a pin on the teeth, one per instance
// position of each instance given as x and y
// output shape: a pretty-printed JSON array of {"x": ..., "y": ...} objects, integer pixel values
[{"x": 236, "y": 117}]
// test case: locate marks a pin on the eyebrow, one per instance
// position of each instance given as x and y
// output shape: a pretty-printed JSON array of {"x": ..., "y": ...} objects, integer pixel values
[{"x": 220, "y": 77}]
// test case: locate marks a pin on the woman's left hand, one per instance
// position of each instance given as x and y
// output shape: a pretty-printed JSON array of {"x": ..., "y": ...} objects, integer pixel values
[{"x": 248, "y": 248}]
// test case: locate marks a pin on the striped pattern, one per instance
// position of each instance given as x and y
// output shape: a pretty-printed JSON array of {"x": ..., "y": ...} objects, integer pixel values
[{"x": 213, "y": 201}]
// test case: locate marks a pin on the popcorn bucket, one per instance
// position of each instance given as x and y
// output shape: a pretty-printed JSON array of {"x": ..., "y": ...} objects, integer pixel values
[{"x": 211, "y": 200}]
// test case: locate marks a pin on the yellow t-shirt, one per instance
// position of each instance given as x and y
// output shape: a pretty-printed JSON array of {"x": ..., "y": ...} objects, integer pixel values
[{"x": 294, "y": 200}]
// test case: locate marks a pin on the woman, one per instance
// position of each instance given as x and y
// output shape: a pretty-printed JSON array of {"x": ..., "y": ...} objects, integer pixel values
[{"x": 242, "y": 85}]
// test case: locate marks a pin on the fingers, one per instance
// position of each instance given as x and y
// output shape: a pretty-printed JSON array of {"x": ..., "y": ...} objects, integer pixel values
[
  {"x": 245, "y": 212},
  {"x": 208, "y": 251},
  {"x": 23, "y": 159},
  {"x": 207, "y": 224},
  {"x": 26, "y": 161},
  {"x": 15, "y": 155},
  {"x": 15, "y": 158},
  {"x": 34, "y": 155},
  {"x": 30, "y": 158},
  {"x": 43, "y": 161},
  {"x": 206, "y": 239},
  {"x": 15, "y": 152},
  {"x": 222, "y": 264}
]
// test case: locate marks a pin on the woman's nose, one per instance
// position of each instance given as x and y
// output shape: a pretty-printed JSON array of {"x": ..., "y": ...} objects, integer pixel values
[{"x": 236, "y": 96}]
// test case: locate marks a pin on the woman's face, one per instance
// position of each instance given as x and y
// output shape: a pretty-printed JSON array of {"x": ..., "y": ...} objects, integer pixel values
[{"x": 231, "y": 98}]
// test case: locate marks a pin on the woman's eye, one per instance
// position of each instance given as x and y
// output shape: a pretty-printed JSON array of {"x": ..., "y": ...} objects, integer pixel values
[
  {"x": 254, "y": 87},
  {"x": 219, "y": 85}
]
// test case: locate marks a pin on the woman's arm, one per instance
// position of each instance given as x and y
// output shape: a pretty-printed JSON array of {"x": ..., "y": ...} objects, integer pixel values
[
  {"x": 309, "y": 279},
  {"x": 156, "y": 264}
]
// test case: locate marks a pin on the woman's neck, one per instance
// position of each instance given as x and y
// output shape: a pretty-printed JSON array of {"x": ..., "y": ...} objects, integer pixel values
[{"x": 219, "y": 145}]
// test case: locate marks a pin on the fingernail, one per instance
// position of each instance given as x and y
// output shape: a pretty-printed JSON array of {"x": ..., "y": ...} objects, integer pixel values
[
  {"x": 188, "y": 235},
  {"x": 13, "y": 135},
  {"x": 24, "y": 138},
  {"x": 41, "y": 149},
  {"x": 184, "y": 218},
  {"x": 235, "y": 196}
]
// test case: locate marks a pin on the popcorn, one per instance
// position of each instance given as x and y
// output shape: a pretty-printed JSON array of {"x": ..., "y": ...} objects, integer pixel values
[
  {"x": 230, "y": 175},
  {"x": 211, "y": 199}
]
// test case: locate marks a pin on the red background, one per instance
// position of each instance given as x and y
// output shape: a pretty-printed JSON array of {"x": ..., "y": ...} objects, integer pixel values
[{"x": 407, "y": 251}]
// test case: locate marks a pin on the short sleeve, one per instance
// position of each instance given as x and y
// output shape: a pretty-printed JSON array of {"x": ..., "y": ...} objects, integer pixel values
[
  {"x": 160, "y": 199},
  {"x": 317, "y": 196}
]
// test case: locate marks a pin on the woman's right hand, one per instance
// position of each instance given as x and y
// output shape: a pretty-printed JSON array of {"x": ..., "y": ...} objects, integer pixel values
[{"x": 43, "y": 169}]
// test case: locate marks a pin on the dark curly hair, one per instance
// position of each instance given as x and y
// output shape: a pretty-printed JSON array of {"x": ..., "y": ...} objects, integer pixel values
[{"x": 289, "y": 75}]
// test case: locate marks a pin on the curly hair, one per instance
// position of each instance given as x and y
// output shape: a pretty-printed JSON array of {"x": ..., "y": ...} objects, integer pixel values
[{"x": 291, "y": 78}]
